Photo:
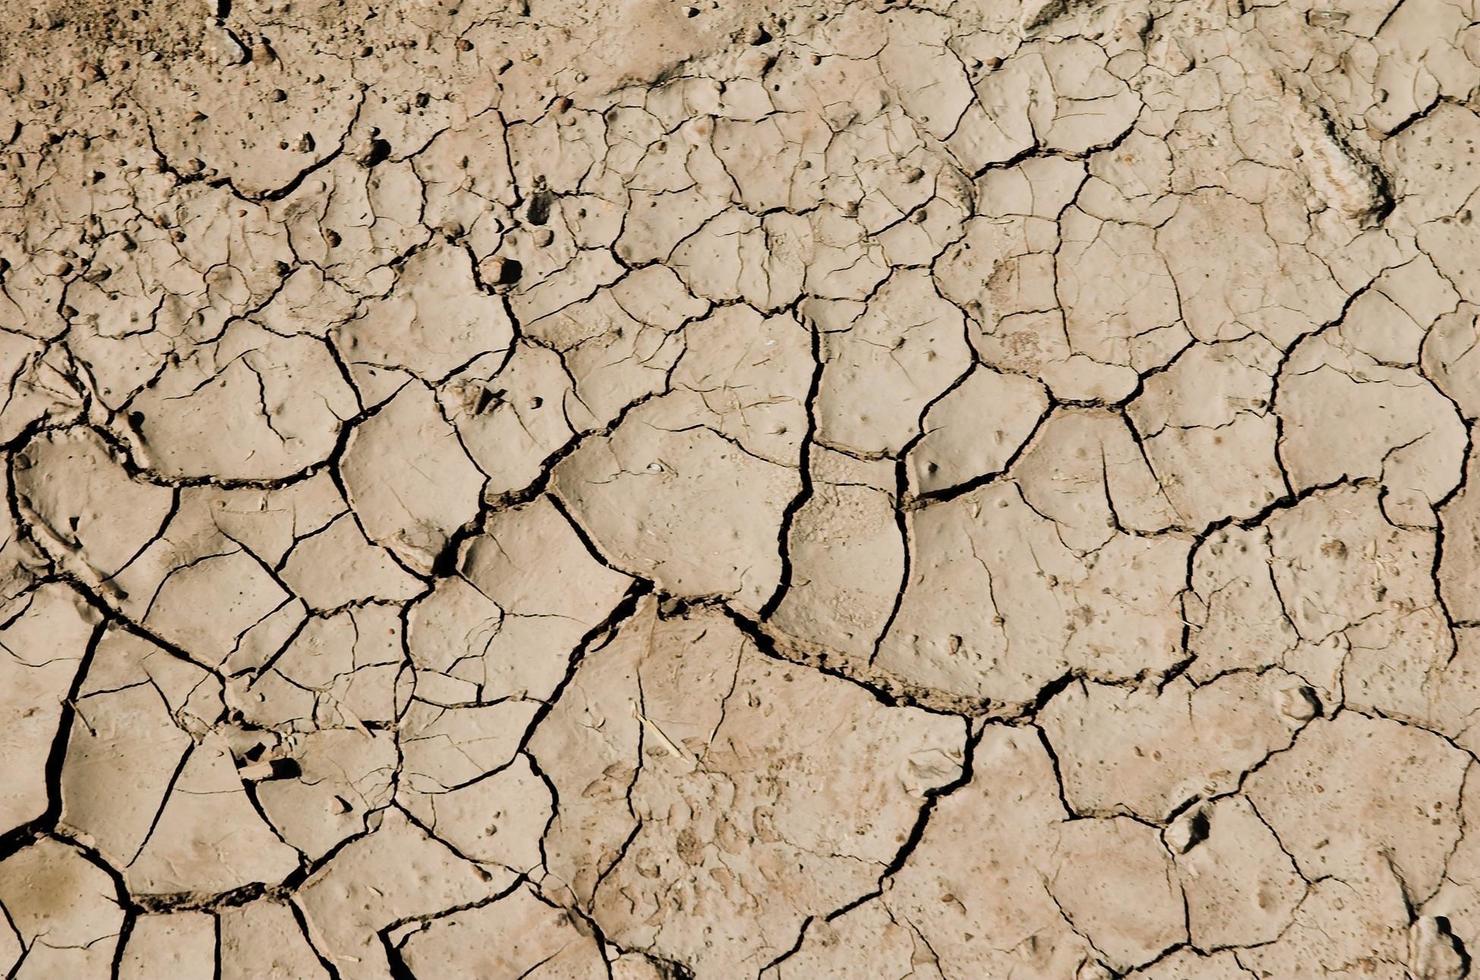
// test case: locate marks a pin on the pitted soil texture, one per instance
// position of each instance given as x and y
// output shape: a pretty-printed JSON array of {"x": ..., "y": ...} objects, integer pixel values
[{"x": 970, "y": 490}]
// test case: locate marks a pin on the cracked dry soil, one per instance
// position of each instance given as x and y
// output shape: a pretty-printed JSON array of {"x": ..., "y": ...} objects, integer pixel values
[{"x": 627, "y": 490}]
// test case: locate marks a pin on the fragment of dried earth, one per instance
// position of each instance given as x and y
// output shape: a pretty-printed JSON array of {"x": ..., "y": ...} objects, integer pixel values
[{"x": 626, "y": 490}]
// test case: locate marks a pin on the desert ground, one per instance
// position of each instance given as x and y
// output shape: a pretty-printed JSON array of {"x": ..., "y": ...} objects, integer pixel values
[{"x": 629, "y": 490}]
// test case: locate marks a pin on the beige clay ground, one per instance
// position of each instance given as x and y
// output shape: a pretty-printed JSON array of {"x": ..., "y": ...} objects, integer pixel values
[{"x": 515, "y": 488}]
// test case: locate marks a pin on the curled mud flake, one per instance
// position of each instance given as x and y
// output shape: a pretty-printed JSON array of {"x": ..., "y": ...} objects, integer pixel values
[
  {"x": 1187, "y": 831},
  {"x": 1299, "y": 702},
  {"x": 1433, "y": 951}
]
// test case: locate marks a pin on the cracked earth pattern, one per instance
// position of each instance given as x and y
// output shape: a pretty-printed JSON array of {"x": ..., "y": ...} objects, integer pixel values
[{"x": 931, "y": 489}]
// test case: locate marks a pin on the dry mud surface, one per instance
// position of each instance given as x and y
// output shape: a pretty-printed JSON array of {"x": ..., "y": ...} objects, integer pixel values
[{"x": 644, "y": 491}]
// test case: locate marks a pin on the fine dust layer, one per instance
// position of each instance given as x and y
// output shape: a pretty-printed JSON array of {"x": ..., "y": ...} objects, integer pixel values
[{"x": 671, "y": 489}]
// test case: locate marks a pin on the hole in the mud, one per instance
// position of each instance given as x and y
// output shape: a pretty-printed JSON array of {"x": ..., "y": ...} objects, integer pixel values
[
  {"x": 286, "y": 769},
  {"x": 379, "y": 152},
  {"x": 539, "y": 204}
]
